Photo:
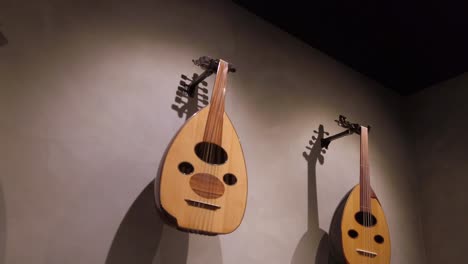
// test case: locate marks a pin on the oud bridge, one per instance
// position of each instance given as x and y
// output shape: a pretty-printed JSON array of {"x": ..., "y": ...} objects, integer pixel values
[
  {"x": 366, "y": 253},
  {"x": 203, "y": 205}
]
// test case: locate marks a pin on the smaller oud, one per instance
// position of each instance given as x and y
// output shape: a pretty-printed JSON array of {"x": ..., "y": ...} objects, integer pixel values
[
  {"x": 202, "y": 183},
  {"x": 359, "y": 231}
]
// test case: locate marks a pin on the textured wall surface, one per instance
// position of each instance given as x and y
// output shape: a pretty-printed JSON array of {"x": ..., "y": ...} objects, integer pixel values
[
  {"x": 439, "y": 122},
  {"x": 88, "y": 104}
]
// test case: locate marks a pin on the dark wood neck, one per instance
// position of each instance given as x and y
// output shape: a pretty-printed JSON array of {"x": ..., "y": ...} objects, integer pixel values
[
  {"x": 365, "y": 188},
  {"x": 214, "y": 123}
]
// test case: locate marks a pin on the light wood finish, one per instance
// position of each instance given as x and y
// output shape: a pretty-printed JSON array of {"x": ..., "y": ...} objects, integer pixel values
[
  {"x": 180, "y": 193},
  {"x": 214, "y": 122},
  {"x": 175, "y": 186},
  {"x": 360, "y": 246},
  {"x": 365, "y": 240},
  {"x": 364, "y": 179},
  {"x": 207, "y": 185}
]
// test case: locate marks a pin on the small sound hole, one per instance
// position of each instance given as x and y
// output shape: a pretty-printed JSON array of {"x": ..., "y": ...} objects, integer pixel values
[
  {"x": 352, "y": 233},
  {"x": 365, "y": 219},
  {"x": 211, "y": 153},
  {"x": 229, "y": 179},
  {"x": 379, "y": 239},
  {"x": 186, "y": 168}
]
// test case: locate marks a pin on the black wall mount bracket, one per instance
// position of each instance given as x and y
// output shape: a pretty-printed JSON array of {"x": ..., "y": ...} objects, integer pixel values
[
  {"x": 210, "y": 66},
  {"x": 351, "y": 128}
]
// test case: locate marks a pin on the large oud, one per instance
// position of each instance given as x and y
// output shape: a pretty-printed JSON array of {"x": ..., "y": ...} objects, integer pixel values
[
  {"x": 202, "y": 183},
  {"x": 359, "y": 232}
]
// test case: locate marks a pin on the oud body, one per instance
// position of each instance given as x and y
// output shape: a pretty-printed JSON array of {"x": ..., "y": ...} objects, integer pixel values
[
  {"x": 359, "y": 232},
  {"x": 202, "y": 184}
]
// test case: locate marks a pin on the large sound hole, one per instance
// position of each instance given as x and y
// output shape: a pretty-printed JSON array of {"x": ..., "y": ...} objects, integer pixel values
[
  {"x": 365, "y": 219},
  {"x": 211, "y": 153}
]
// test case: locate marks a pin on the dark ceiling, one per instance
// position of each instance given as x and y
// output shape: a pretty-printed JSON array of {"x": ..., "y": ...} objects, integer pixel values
[{"x": 405, "y": 45}]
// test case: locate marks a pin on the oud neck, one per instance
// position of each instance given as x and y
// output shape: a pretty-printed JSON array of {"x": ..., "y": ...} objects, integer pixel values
[
  {"x": 365, "y": 188},
  {"x": 214, "y": 124}
]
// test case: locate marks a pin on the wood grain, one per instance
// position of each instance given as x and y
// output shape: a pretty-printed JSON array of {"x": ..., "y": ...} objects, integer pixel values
[
  {"x": 175, "y": 186},
  {"x": 364, "y": 179},
  {"x": 207, "y": 185},
  {"x": 365, "y": 240},
  {"x": 214, "y": 122}
]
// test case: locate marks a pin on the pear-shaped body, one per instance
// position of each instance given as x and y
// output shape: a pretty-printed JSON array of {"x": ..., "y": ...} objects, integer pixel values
[
  {"x": 357, "y": 237},
  {"x": 202, "y": 186}
]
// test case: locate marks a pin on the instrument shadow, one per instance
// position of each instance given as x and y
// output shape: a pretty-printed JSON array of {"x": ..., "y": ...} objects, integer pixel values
[
  {"x": 187, "y": 106},
  {"x": 314, "y": 244},
  {"x": 142, "y": 238},
  {"x": 3, "y": 39}
]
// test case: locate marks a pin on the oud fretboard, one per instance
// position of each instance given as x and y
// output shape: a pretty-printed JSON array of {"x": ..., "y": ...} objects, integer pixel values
[
  {"x": 214, "y": 124},
  {"x": 366, "y": 190}
]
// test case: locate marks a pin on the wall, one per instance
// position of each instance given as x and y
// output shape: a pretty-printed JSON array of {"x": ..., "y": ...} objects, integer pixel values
[
  {"x": 438, "y": 117},
  {"x": 88, "y": 104}
]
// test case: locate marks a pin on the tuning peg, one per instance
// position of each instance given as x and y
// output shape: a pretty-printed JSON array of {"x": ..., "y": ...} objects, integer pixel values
[
  {"x": 181, "y": 93},
  {"x": 178, "y": 100}
]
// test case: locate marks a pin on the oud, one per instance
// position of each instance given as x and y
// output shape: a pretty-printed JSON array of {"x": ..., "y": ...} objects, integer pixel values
[
  {"x": 202, "y": 183},
  {"x": 359, "y": 231}
]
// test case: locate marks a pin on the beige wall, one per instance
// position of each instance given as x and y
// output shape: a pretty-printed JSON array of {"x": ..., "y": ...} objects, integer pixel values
[
  {"x": 439, "y": 122},
  {"x": 85, "y": 116}
]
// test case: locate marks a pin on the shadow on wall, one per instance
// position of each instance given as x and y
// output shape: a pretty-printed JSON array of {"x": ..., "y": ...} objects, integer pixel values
[
  {"x": 314, "y": 243},
  {"x": 3, "y": 40},
  {"x": 139, "y": 236},
  {"x": 143, "y": 238},
  {"x": 186, "y": 105},
  {"x": 3, "y": 230}
]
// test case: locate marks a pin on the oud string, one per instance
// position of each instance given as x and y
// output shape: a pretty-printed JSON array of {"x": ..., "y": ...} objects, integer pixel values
[
  {"x": 213, "y": 139},
  {"x": 365, "y": 208},
  {"x": 364, "y": 213},
  {"x": 221, "y": 116},
  {"x": 210, "y": 139},
  {"x": 211, "y": 155},
  {"x": 369, "y": 205},
  {"x": 216, "y": 153},
  {"x": 207, "y": 152},
  {"x": 220, "y": 121},
  {"x": 363, "y": 194},
  {"x": 366, "y": 184}
]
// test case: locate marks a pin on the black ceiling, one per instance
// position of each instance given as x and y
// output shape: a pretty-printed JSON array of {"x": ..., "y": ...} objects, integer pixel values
[{"x": 405, "y": 45}]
